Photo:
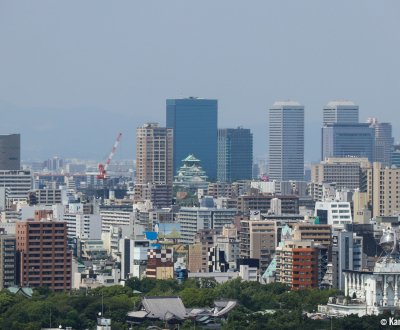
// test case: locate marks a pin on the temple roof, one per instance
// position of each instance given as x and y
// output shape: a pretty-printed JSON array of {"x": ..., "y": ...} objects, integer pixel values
[{"x": 164, "y": 308}]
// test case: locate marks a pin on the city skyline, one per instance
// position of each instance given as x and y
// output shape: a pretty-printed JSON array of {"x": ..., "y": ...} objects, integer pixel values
[
  {"x": 213, "y": 164},
  {"x": 117, "y": 72},
  {"x": 128, "y": 152}
]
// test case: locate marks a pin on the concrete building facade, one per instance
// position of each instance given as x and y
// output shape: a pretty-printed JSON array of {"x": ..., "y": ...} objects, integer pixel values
[
  {"x": 334, "y": 213},
  {"x": 344, "y": 172},
  {"x": 154, "y": 164},
  {"x": 19, "y": 183},
  {"x": 383, "y": 190},
  {"x": 258, "y": 240},
  {"x": 193, "y": 219}
]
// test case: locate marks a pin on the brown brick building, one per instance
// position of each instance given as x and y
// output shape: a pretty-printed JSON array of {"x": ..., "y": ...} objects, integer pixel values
[
  {"x": 297, "y": 264},
  {"x": 44, "y": 259}
]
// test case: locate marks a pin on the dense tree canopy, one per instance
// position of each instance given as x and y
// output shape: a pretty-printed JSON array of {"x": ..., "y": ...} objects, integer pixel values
[{"x": 270, "y": 306}]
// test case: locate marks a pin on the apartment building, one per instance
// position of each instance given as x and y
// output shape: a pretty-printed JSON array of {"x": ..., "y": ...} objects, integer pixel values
[
  {"x": 44, "y": 257},
  {"x": 297, "y": 264}
]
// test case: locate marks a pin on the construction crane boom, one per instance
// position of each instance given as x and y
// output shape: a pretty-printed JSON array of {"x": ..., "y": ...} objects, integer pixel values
[{"x": 103, "y": 168}]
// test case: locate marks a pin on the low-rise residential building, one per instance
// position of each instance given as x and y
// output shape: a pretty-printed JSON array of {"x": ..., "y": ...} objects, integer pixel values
[
  {"x": 133, "y": 257},
  {"x": 198, "y": 260},
  {"x": 319, "y": 233}
]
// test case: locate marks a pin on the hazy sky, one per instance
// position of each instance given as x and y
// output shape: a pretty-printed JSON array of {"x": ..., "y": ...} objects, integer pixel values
[{"x": 75, "y": 73}]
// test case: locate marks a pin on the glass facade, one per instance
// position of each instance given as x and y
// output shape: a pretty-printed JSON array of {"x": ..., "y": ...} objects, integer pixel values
[
  {"x": 396, "y": 155},
  {"x": 10, "y": 152},
  {"x": 195, "y": 123},
  {"x": 340, "y": 112},
  {"x": 348, "y": 140},
  {"x": 235, "y": 154}
]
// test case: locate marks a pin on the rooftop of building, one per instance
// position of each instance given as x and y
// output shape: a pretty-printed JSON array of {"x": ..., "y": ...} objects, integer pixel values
[
  {"x": 287, "y": 103},
  {"x": 340, "y": 160},
  {"x": 335, "y": 103}
]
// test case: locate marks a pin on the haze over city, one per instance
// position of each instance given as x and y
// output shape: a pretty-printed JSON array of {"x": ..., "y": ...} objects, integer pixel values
[{"x": 74, "y": 74}]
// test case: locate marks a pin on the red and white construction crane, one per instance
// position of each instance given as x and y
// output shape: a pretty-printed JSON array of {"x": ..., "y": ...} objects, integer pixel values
[{"x": 103, "y": 168}]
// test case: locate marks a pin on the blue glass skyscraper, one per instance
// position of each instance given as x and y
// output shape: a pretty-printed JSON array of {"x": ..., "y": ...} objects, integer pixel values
[
  {"x": 195, "y": 123},
  {"x": 235, "y": 154}
]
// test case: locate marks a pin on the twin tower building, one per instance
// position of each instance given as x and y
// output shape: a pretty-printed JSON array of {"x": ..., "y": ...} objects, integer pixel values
[
  {"x": 342, "y": 135},
  {"x": 226, "y": 155}
]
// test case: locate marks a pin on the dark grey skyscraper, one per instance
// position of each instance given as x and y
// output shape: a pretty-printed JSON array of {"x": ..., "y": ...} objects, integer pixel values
[
  {"x": 286, "y": 141},
  {"x": 235, "y": 154},
  {"x": 10, "y": 152},
  {"x": 195, "y": 123},
  {"x": 383, "y": 141}
]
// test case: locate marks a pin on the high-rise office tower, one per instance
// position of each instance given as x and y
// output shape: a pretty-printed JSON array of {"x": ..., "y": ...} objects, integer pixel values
[
  {"x": 10, "y": 152},
  {"x": 348, "y": 140},
  {"x": 154, "y": 157},
  {"x": 383, "y": 141},
  {"x": 340, "y": 112},
  {"x": 286, "y": 141},
  {"x": 194, "y": 122},
  {"x": 343, "y": 135},
  {"x": 235, "y": 154}
]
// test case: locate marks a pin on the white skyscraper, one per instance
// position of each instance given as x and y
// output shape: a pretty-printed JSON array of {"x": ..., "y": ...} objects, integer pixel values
[
  {"x": 340, "y": 112},
  {"x": 286, "y": 141}
]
